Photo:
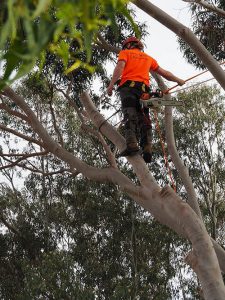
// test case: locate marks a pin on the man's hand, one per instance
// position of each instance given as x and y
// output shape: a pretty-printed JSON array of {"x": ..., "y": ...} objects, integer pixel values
[
  {"x": 181, "y": 81},
  {"x": 116, "y": 76},
  {"x": 110, "y": 89}
]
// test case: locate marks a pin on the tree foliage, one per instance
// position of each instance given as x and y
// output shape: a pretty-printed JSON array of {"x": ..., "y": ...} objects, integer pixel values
[
  {"x": 95, "y": 244},
  {"x": 29, "y": 29},
  {"x": 94, "y": 239},
  {"x": 201, "y": 145},
  {"x": 208, "y": 26}
]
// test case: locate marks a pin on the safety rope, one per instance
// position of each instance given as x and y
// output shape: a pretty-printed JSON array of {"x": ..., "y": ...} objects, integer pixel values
[
  {"x": 191, "y": 86},
  {"x": 192, "y": 77},
  {"x": 99, "y": 128},
  {"x": 164, "y": 150}
]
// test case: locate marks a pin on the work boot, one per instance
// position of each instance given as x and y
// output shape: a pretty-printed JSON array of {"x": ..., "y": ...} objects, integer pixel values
[
  {"x": 147, "y": 153},
  {"x": 132, "y": 149}
]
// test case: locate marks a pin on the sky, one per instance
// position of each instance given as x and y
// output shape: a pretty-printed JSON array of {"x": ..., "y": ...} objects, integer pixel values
[{"x": 162, "y": 43}]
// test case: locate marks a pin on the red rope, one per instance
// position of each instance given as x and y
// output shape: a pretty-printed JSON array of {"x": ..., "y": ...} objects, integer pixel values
[
  {"x": 192, "y": 77},
  {"x": 164, "y": 150}
]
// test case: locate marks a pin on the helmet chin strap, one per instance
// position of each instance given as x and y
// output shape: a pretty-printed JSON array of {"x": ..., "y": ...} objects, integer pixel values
[{"x": 130, "y": 46}]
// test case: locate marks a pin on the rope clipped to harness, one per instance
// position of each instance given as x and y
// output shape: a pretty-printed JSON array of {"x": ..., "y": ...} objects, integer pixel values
[{"x": 164, "y": 150}]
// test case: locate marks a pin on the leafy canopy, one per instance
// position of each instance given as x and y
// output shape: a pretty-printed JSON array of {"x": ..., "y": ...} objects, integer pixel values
[
  {"x": 208, "y": 26},
  {"x": 31, "y": 28}
]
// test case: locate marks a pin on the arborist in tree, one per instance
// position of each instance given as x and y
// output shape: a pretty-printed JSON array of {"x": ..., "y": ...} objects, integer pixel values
[{"x": 132, "y": 72}]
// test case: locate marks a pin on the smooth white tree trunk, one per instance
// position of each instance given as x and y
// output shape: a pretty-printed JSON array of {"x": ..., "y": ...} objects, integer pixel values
[{"x": 164, "y": 204}]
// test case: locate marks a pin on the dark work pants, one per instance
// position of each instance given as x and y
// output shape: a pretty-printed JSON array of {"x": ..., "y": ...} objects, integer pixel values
[{"x": 137, "y": 122}]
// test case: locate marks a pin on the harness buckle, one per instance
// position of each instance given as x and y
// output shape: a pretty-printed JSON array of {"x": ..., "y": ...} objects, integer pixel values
[{"x": 132, "y": 84}]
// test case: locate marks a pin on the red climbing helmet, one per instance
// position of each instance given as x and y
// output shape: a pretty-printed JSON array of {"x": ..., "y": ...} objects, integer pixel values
[{"x": 133, "y": 40}]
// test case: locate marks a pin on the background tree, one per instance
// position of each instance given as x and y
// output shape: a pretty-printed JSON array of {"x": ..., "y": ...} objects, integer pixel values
[
  {"x": 201, "y": 146},
  {"x": 208, "y": 25}
]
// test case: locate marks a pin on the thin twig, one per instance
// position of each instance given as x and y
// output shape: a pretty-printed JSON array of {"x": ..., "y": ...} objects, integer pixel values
[
  {"x": 55, "y": 125},
  {"x": 98, "y": 135},
  {"x": 208, "y": 6},
  {"x": 13, "y": 112},
  {"x": 22, "y": 136}
]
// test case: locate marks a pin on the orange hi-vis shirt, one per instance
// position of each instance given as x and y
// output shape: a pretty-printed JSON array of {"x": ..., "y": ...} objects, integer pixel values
[{"x": 138, "y": 65}]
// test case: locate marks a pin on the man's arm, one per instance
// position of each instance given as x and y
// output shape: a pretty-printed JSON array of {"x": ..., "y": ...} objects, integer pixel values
[
  {"x": 116, "y": 75},
  {"x": 169, "y": 76}
]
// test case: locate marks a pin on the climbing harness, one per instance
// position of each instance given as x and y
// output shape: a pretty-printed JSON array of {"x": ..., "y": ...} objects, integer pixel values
[
  {"x": 149, "y": 99},
  {"x": 134, "y": 84}
]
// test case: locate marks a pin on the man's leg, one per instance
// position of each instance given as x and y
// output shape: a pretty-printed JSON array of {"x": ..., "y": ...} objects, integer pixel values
[
  {"x": 129, "y": 100},
  {"x": 146, "y": 134}
]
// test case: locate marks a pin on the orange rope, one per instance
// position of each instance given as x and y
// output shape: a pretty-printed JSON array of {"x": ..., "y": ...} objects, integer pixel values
[
  {"x": 191, "y": 86},
  {"x": 173, "y": 87},
  {"x": 164, "y": 150}
]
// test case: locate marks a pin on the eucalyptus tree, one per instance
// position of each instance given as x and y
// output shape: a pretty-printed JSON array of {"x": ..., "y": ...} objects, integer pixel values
[
  {"x": 46, "y": 139},
  {"x": 199, "y": 128},
  {"x": 208, "y": 21}
]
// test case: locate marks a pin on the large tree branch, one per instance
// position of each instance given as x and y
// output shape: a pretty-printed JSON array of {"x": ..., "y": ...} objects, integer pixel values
[
  {"x": 168, "y": 208},
  {"x": 102, "y": 175},
  {"x": 182, "y": 170},
  {"x": 187, "y": 35},
  {"x": 95, "y": 133},
  {"x": 13, "y": 112}
]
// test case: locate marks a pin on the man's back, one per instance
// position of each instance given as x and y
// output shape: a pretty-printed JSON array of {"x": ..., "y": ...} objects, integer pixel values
[{"x": 138, "y": 65}]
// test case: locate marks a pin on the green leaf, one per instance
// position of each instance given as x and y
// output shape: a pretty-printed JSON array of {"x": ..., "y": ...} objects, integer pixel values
[
  {"x": 126, "y": 13},
  {"x": 12, "y": 19},
  {"x": 74, "y": 66},
  {"x": 5, "y": 33},
  {"x": 61, "y": 49},
  {"x": 41, "y": 7}
]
